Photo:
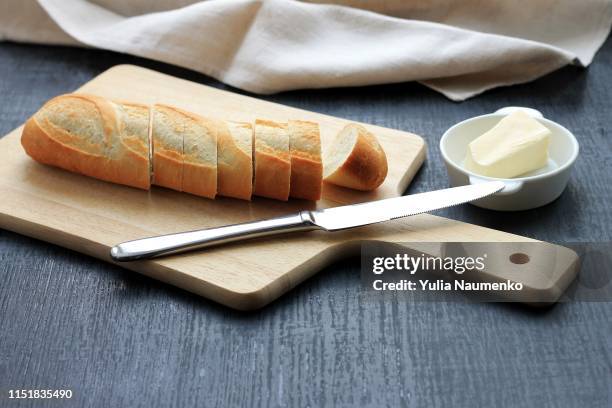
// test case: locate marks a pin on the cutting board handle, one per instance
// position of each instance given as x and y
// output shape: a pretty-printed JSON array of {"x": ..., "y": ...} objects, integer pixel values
[{"x": 545, "y": 270}]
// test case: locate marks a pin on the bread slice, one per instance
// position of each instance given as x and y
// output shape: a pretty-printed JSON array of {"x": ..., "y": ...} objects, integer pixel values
[
  {"x": 272, "y": 160},
  {"x": 184, "y": 151},
  {"x": 235, "y": 160},
  {"x": 167, "y": 128},
  {"x": 93, "y": 136},
  {"x": 306, "y": 166},
  {"x": 134, "y": 153},
  {"x": 355, "y": 159},
  {"x": 200, "y": 155}
]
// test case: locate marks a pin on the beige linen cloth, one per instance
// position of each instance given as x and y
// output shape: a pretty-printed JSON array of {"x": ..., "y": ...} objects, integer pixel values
[{"x": 459, "y": 48}]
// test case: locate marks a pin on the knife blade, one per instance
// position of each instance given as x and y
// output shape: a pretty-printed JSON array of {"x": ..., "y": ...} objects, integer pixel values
[
  {"x": 329, "y": 219},
  {"x": 349, "y": 216}
]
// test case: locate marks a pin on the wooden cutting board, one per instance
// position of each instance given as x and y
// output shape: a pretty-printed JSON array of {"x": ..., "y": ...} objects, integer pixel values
[{"x": 91, "y": 216}]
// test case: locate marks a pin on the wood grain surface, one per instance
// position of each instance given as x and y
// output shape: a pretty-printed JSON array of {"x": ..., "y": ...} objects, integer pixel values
[{"x": 120, "y": 339}]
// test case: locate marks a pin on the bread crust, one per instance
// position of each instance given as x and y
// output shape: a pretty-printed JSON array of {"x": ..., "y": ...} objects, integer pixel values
[
  {"x": 235, "y": 163},
  {"x": 51, "y": 137},
  {"x": 272, "y": 160},
  {"x": 199, "y": 179},
  {"x": 306, "y": 165},
  {"x": 365, "y": 168}
]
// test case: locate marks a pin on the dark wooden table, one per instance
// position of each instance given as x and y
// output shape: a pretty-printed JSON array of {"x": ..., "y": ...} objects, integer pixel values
[{"x": 119, "y": 339}]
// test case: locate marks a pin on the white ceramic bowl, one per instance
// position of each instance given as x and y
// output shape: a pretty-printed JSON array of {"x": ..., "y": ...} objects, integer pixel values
[{"x": 532, "y": 190}]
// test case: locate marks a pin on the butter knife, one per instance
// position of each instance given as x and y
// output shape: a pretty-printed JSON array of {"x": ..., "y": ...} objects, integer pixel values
[{"x": 329, "y": 219}]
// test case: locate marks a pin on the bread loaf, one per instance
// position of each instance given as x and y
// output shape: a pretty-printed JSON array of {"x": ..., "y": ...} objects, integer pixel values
[
  {"x": 272, "y": 161},
  {"x": 355, "y": 159},
  {"x": 135, "y": 145},
  {"x": 306, "y": 166},
  {"x": 92, "y": 136},
  {"x": 235, "y": 160}
]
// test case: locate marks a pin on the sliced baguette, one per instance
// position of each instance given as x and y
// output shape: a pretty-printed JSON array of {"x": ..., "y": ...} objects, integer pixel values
[
  {"x": 355, "y": 159},
  {"x": 93, "y": 136},
  {"x": 306, "y": 166},
  {"x": 235, "y": 160},
  {"x": 272, "y": 160}
]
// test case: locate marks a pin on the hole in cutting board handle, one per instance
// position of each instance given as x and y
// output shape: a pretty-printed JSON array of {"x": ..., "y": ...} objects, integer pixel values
[{"x": 519, "y": 258}]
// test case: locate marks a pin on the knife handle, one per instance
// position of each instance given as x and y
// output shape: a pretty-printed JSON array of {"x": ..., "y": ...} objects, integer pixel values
[{"x": 152, "y": 247}]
